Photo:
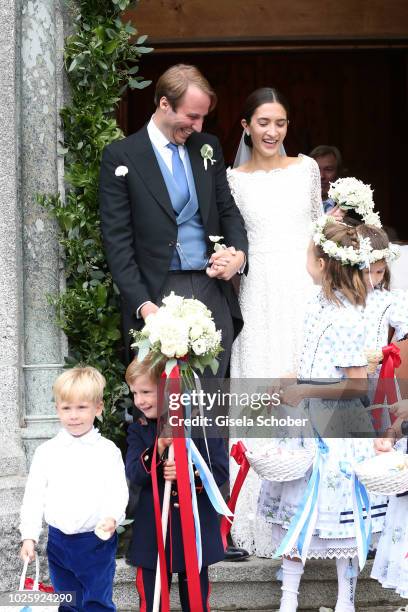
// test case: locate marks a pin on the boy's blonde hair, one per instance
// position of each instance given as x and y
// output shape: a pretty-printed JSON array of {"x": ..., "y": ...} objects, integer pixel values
[
  {"x": 144, "y": 368},
  {"x": 83, "y": 382}
]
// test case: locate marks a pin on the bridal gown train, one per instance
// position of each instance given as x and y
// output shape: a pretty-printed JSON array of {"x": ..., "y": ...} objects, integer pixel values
[{"x": 278, "y": 207}]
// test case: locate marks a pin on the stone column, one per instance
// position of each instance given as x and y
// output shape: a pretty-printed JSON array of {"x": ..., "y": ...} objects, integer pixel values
[
  {"x": 41, "y": 95},
  {"x": 12, "y": 460}
]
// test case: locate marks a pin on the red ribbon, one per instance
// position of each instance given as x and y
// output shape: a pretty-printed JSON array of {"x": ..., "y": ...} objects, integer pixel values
[
  {"x": 386, "y": 383},
  {"x": 29, "y": 585},
  {"x": 186, "y": 509},
  {"x": 238, "y": 451}
]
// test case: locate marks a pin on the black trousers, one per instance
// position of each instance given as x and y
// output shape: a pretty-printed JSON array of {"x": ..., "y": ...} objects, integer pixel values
[{"x": 145, "y": 579}]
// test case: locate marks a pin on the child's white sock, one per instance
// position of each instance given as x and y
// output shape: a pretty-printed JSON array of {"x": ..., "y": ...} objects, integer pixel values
[
  {"x": 347, "y": 572},
  {"x": 291, "y": 574}
]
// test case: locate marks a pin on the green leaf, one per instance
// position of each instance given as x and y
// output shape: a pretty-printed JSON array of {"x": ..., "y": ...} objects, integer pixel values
[
  {"x": 170, "y": 364},
  {"x": 141, "y": 39},
  {"x": 133, "y": 84},
  {"x": 144, "y": 49},
  {"x": 133, "y": 70}
]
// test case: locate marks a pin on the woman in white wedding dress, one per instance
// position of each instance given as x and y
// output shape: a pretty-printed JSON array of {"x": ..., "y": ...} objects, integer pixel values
[{"x": 278, "y": 197}]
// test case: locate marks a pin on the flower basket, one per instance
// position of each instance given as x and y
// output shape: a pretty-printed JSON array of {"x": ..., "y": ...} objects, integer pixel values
[
  {"x": 281, "y": 464},
  {"x": 386, "y": 474}
]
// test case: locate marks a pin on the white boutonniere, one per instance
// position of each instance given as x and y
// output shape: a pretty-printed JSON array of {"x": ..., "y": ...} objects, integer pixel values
[
  {"x": 217, "y": 245},
  {"x": 207, "y": 153},
  {"x": 121, "y": 171}
]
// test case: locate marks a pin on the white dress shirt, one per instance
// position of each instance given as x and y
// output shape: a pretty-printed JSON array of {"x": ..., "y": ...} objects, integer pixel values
[
  {"x": 74, "y": 482},
  {"x": 160, "y": 142}
]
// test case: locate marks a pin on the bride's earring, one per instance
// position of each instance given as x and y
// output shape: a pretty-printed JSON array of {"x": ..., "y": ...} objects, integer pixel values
[{"x": 247, "y": 132}]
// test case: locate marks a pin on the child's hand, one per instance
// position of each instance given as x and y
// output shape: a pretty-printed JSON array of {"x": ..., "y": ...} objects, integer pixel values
[
  {"x": 292, "y": 395},
  {"x": 28, "y": 550},
  {"x": 383, "y": 445},
  {"x": 400, "y": 409},
  {"x": 169, "y": 470},
  {"x": 105, "y": 528},
  {"x": 165, "y": 439}
]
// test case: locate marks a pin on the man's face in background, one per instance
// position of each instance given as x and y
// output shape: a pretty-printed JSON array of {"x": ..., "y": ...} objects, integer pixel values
[{"x": 328, "y": 172}]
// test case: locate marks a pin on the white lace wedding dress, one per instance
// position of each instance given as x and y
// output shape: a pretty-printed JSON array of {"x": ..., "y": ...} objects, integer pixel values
[{"x": 278, "y": 207}]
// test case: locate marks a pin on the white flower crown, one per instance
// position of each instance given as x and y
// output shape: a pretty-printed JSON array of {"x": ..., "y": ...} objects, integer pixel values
[
  {"x": 361, "y": 257},
  {"x": 351, "y": 194}
]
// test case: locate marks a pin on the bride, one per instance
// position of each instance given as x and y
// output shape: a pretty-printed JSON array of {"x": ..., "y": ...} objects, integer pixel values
[{"x": 279, "y": 197}]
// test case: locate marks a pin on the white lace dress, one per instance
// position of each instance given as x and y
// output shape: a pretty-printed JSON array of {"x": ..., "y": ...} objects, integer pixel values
[{"x": 278, "y": 207}]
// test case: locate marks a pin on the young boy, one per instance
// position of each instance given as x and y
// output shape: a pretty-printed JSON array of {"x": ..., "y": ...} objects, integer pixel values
[
  {"x": 143, "y": 381},
  {"x": 77, "y": 482}
]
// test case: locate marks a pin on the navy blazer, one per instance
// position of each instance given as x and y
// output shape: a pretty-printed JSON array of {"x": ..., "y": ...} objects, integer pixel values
[
  {"x": 139, "y": 225},
  {"x": 143, "y": 547}
]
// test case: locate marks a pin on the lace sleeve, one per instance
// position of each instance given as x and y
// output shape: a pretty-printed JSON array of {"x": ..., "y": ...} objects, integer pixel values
[{"x": 315, "y": 192}]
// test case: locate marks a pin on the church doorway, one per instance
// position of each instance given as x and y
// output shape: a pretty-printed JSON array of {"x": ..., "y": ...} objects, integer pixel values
[{"x": 354, "y": 98}]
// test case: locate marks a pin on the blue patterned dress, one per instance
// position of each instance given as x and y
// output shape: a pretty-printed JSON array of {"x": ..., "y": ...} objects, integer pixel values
[{"x": 335, "y": 338}]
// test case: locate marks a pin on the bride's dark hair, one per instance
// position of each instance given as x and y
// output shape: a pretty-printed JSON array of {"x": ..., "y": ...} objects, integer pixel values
[{"x": 260, "y": 96}]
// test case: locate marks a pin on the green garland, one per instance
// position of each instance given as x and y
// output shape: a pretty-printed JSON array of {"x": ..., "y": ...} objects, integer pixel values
[{"x": 101, "y": 61}]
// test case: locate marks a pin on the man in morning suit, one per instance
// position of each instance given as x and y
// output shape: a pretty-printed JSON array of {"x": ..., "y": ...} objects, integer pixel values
[{"x": 160, "y": 200}]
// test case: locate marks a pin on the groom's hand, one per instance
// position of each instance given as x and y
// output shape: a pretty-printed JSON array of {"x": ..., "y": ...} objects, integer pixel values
[
  {"x": 148, "y": 309},
  {"x": 225, "y": 263}
]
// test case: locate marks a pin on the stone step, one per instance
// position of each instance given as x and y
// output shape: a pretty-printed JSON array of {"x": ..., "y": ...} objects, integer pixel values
[{"x": 252, "y": 585}]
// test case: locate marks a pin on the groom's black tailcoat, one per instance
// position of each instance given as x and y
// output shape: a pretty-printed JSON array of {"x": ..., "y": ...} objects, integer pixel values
[{"x": 139, "y": 224}]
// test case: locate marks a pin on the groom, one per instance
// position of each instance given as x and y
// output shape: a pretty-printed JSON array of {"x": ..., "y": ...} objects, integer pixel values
[{"x": 163, "y": 192}]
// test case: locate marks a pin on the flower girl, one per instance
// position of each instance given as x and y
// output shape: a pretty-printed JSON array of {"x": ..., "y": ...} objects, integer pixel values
[
  {"x": 334, "y": 350},
  {"x": 390, "y": 566}
]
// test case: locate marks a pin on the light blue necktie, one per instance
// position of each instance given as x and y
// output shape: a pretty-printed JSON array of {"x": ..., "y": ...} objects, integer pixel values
[{"x": 179, "y": 174}]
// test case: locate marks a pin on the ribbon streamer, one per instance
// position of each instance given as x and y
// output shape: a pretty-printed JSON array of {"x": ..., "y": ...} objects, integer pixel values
[
  {"x": 208, "y": 481},
  {"x": 238, "y": 451},
  {"x": 303, "y": 522},
  {"x": 386, "y": 383}
]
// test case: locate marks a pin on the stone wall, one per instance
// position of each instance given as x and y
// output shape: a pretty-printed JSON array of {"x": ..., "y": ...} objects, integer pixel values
[{"x": 31, "y": 346}]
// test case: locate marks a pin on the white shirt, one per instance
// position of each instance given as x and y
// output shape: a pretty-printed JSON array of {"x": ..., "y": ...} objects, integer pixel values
[
  {"x": 160, "y": 142},
  {"x": 74, "y": 482}
]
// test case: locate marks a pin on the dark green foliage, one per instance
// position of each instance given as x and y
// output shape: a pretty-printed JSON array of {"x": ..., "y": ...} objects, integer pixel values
[{"x": 101, "y": 59}]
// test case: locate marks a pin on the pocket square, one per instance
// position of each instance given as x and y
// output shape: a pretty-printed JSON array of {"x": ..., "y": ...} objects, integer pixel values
[{"x": 121, "y": 171}]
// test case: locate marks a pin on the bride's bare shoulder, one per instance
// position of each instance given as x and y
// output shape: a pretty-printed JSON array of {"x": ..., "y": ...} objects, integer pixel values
[{"x": 244, "y": 168}]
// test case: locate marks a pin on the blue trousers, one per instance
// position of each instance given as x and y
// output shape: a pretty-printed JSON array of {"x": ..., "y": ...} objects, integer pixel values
[{"x": 83, "y": 563}]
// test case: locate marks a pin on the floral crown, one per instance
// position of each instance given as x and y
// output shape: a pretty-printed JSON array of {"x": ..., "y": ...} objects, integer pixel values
[
  {"x": 351, "y": 194},
  {"x": 348, "y": 255}
]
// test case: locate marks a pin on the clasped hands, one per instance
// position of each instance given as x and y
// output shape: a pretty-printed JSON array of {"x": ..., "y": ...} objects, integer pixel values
[{"x": 225, "y": 263}]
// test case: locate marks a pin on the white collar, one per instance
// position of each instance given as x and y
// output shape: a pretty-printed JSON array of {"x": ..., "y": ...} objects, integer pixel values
[
  {"x": 156, "y": 135},
  {"x": 158, "y": 139},
  {"x": 90, "y": 438}
]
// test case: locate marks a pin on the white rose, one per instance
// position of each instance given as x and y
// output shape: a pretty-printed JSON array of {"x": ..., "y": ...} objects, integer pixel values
[
  {"x": 199, "y": 346},
  {"x": 121, "y": 171},
  {"x": 196, "y": 331},
  {"x": 168, "y": 349}
]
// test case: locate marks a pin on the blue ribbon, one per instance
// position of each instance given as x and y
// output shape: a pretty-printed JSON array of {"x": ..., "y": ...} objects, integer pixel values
[
  {"x": 195, "y": 507},
  {"x": 208, "y": 481},
  {"x": 301, "y": 526},
  {"x": 361, "y": 500}
]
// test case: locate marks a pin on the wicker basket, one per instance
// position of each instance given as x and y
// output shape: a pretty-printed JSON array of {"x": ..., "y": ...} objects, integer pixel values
[
  {"x": 386, "y": 474},
  {"x": 281, "y": 465}
]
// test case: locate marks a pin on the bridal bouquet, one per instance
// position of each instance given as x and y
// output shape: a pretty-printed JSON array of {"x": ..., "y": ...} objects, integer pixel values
[
  {"x": 351, "y": 194},
  {"x": 181, "y": 329}
]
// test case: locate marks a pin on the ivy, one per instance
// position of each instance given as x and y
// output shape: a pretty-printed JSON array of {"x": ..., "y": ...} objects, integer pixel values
[{"x": 101, "y": 60}]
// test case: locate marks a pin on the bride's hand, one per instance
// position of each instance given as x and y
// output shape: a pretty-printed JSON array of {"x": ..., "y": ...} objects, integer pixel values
[{"x": 225, "y": 263}]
